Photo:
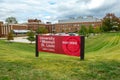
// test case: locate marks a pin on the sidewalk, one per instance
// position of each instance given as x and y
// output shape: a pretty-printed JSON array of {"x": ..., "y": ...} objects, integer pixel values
[{"x": 20, "y": 39}]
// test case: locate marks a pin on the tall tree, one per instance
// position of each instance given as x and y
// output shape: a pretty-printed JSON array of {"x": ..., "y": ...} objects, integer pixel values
[
  {"x": 83, "y": 31},
  {"x": 97, "y": 30},
  {"x": 41, "y": 30},
  {"x": 31, "y": 36},
  {"x": 111, "y": 22},
  {"x": 91, "y": 29},
  {"x": 11, "y": 20}
]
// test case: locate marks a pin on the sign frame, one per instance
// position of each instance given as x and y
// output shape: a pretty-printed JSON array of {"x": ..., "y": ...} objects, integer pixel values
[{"x": 82, "y": 47}]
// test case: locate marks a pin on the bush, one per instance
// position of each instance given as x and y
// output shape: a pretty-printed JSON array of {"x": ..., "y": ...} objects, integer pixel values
[
  {"x": 41, "y": 30},
  {"x": 10, "y": 36},
  {"x": 83, "y": 31},
  {"x": 31, "y": 35}
]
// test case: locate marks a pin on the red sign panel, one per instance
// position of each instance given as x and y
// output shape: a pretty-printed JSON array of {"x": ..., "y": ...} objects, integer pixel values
[{"x": 69, "y": 45}]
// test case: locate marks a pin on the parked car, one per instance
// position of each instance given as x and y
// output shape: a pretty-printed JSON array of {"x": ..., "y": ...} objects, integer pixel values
[
  {"x": 73, "y": 34},
  {"x": 62, "y": 34}
]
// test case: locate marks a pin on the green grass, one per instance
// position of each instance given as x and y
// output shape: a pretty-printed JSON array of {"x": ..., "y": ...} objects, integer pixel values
[{"x": 102, "y": 61}]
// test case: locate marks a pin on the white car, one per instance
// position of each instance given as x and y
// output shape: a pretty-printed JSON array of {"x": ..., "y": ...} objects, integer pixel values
[{"x": 62, "y": 34}]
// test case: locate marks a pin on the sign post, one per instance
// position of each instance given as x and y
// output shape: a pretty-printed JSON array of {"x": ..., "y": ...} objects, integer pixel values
[
  {"x": 82, "y": 47},
  {"x": 68, "y": 45},
  {"x": 36, "y": 45}
]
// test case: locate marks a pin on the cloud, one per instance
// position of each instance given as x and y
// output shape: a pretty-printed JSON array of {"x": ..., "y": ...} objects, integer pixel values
[
  {"x": 53, "y": 10},
  {"x": 91, "y": 7}
]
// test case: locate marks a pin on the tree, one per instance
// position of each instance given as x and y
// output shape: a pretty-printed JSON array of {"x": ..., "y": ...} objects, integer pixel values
[
  {"x": 91, "y": 29},
  {"x": 111, "y": 22},
  {"x": 97, "y": 30},
  {"x": 41, "y": 30},
  {"x": 10, "y": 36},
  {"x": 83, "y": 31},
  {"x": 11, "y": 20},
  {"x": 101, "y": 29},
  {"x": 31, "y": 35}
]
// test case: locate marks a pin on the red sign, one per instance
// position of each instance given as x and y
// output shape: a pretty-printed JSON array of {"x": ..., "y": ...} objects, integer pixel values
[{"x": 69, "y": 45}]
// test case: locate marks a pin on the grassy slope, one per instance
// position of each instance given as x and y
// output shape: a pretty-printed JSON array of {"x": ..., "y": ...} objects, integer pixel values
[
  {"x": 102, "y": 61},
  {"x": 106, "y": 46}
]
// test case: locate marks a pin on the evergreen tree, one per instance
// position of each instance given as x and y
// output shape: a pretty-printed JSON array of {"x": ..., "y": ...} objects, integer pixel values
[
  {"x": 83, "y": 31},
  {"x": 91, "y": 29},
  {"x": 41, "y": 30},
  {"x": 97, "y": 30},
  {"x": 31, "y": 35}
]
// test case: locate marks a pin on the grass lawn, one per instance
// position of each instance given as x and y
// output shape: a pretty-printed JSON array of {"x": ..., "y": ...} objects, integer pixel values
[{"x": 102, "y": 61}]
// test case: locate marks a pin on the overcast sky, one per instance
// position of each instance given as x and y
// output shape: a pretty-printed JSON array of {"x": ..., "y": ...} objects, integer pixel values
[{"x": 54, "y": 10}]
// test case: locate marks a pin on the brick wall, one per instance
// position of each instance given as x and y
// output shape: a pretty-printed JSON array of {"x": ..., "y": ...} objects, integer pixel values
[
  {"x": 74, "y": 27},
  {"x": 1, "y": 24}
]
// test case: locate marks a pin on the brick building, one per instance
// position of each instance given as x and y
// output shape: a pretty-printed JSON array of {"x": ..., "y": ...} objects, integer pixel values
[
  {"x": 68, "y": 25},
  {"x": 74, "y": 24},
  {"x": 49, "y": 27},
  {"x": 1, "y": 24},
  {"x": 6, "y": 28},
  {"x": 19, "y": 26},
  {"x": 33, "y": 24}
]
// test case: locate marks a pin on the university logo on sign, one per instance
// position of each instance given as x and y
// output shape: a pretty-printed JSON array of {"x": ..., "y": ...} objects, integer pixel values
[{"x": 68, "y": 45}]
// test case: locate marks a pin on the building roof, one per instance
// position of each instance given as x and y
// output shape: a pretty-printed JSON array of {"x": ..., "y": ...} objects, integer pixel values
[
  {"x": 80, "y": 19},
  {"x": 21, "y": 31}
]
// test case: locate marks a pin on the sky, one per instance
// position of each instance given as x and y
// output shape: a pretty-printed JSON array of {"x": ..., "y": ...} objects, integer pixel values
[{"x": 54, "y": 10}]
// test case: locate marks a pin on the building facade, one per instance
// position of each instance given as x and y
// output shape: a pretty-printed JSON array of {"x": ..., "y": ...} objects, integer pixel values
[
  {"x": 6, "y": 28},
  {"x": 1, "y": 24},
  {"x": 74, "y": 24},
  {"x": 19, "y": 26},
  {"x": 66, "y": 26},
  {"x": 33, "y": 24},
  {"x": 49, "y": 27}
]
